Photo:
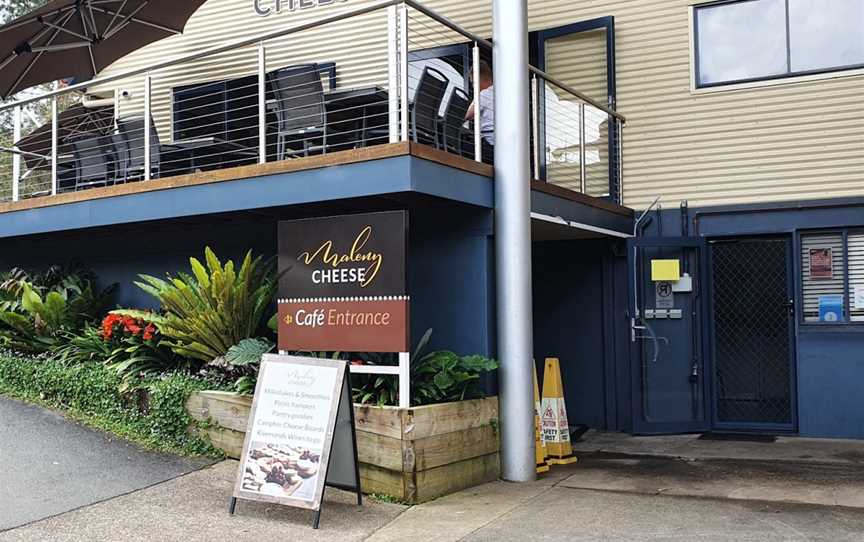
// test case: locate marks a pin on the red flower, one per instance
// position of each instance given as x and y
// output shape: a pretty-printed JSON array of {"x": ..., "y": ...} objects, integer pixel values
[
  {"x": 108, "y": 325},
  {"x": 148, "y": 332}
]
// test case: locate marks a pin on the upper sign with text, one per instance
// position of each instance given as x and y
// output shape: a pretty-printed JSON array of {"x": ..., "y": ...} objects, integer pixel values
[
  {"x": 275, "y": 7},
  {"x": 343, "y": 284},
  {"x": 344, "y": 256}
]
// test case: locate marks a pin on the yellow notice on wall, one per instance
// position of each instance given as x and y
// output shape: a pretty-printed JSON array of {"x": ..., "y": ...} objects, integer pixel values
[{"x": 663, "y": 270}]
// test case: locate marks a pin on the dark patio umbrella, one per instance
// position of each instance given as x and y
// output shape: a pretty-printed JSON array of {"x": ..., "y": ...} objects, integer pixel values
[
  {"x": 79, "y": 38},
  {"x": 74, "y": 122}
]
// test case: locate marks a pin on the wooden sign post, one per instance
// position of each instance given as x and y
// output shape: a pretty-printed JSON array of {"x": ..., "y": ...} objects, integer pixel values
[{"x": 300, "y": 436}]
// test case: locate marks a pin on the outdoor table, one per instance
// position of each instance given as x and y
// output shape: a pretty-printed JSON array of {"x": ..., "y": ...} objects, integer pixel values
[
  {"x": 206, "y": 153},
  {"x": 349, "y": 111}
]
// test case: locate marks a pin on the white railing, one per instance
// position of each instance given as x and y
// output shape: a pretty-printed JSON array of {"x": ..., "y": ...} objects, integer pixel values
[{"x": 249, "y": 102}]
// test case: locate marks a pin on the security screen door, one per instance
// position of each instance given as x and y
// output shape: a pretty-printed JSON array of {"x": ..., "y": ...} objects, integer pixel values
[{"x": 752, "y": 334}]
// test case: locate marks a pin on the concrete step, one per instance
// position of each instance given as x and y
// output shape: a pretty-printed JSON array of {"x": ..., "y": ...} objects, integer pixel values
[{"x": 807, "y": 482}]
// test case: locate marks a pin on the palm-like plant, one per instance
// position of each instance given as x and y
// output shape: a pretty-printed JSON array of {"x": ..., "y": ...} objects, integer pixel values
[
  {"x": 39, "y": 324},
  {"x": 206, "y": 313}
]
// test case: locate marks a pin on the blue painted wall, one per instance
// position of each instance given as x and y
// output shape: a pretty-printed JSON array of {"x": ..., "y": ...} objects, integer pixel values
[
  {"x": 829, "y": 361},
  {"x": 450, "y": 278},
  {"x": 830, "y": 381},
  {"x": 449, "y": 263},
  {"x": 579, "y": 302}
]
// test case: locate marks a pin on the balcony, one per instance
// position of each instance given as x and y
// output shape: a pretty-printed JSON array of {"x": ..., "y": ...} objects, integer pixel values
[{"x": 296, "y": 101}]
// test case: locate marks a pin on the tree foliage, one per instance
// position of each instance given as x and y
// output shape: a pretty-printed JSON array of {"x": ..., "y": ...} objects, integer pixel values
[{"x": 12, "y": 9}]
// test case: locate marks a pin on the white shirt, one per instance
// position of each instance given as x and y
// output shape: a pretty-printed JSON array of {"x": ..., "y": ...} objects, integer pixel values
[{"x": 487, "y": 115}]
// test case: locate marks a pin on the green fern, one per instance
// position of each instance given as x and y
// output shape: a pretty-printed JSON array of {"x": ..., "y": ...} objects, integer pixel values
[
  {"x": 248, "y": 352},
  {"x": 214, "y": 308}
]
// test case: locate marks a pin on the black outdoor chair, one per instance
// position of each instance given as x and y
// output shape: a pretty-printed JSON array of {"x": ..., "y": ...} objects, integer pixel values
[
  {"x": 94, "y": 162},
  {"x": 300, "y": 112},
  {"x": 431, "y": 88},
  {"x": 453, "y": 121},
  {"x": 132, "y": 131},
  {"x": 423, "y": 111},
  {"x": 121, "y": 157}
]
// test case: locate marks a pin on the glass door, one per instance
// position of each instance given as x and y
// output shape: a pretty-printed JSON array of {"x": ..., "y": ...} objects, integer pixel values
[{"x": 582, "y": 56}]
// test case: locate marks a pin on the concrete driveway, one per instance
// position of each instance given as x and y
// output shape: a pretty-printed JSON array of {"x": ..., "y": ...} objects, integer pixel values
[{"x": 49, "y": 465}]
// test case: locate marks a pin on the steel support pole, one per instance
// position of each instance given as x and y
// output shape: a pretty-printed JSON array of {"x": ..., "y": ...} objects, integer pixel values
[
  {"x": 262, "y": 103},
  {"x": 583, "y": 171},
  {"x": 54, "y": 135},
  {"x": 513, "y": 239},
  {"x": 478, "y": 137},
  {"x": 148, "y": 88},
  {"x": 16, "y": 158},
  {"x": 403, "y": 71},
  {"x": 393, "y": 73}
]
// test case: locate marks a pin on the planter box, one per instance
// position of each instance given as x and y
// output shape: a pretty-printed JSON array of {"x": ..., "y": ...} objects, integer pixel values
[{"x": 412, "y": 454}]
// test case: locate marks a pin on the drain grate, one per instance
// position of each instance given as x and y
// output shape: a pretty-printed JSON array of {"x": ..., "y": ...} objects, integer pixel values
[{"x": 739, "y": 437}]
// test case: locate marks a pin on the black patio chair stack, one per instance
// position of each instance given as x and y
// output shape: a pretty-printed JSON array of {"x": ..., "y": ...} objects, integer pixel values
[
  {"x": 431, "y": 88},
  {"x": 93, "y": 159},
  {"x": 131, "y": 130},
  {"x": 300, "y": 111},
  {"x": 454, "y": 121}
]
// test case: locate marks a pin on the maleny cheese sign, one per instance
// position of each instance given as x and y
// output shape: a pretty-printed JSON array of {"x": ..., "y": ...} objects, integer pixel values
[
  {"x": 274, "y": 7},
  {"x": 343, "y": 283}
]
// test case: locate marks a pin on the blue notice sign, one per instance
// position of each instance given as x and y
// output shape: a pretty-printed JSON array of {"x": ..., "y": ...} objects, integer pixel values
[{"x": 830, "y": 308}]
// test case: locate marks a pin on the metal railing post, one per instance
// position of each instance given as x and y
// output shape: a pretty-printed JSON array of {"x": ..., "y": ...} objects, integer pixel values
[
  {"x": 54, "y": 130},
  {"x": 147, "y": 115},
  {"x": 16, "y": 158},
  {"x": 535, "y": 124},
  {"x": 404, "y": 380},
  {"x": 620, "y": 157},
  {"x": 583, "y": 173},
  {"x": 393, "y": 73},
  {"x": 262, "y": 103},
  {"x": 116, "y": 105},
  {"x": 475, "y": 71},
  {"x": 403, "y": 69}
]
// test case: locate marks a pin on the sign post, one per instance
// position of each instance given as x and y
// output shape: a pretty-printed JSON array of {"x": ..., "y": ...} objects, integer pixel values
[
  {"x": 300, "y": 437},
  {"x": 343, "y": 287}
]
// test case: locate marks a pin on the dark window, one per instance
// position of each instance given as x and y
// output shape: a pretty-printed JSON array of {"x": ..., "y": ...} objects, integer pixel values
[
  {"x": 832, "y": 276},
  {"x": 753, "y": 40}
]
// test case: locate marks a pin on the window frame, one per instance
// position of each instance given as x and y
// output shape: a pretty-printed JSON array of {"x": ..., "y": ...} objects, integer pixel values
[
  {"x": 799, "y": 279},
  {"x": 787, "y": 77}
]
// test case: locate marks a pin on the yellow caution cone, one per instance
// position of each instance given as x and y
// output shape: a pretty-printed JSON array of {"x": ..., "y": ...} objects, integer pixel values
[
  {"x": 539, "y": 443},
  {"x": 556, "y": 431}
]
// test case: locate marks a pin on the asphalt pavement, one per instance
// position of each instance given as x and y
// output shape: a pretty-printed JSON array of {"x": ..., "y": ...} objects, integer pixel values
[{"x": 50, "y": 465}]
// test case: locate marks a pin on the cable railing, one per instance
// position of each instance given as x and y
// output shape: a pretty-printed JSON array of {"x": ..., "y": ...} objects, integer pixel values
[{"x": 412, "y": 75}]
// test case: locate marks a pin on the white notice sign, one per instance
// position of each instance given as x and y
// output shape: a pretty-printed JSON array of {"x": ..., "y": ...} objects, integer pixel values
[
  {"x": 290, "y": 431},
  {"x": 858, "y": 302}
]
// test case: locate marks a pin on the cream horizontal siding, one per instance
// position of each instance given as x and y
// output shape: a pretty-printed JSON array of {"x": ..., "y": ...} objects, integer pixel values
[{"x": 791, "y": 141}]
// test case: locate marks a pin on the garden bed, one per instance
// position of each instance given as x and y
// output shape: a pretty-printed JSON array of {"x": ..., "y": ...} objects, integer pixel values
[{"x": 411, "y": 454}]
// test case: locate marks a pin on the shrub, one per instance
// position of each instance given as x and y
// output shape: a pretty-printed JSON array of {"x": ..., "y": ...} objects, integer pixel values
[
  {"x": 214, "y": 308},
  {"x": 90, "y": 392},
  {"x": 129, "y": 346},
  {"x": 437, "y": 377},
  {"x": 37, "y": 312},
  {"x": 137, "y": 353}
]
